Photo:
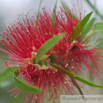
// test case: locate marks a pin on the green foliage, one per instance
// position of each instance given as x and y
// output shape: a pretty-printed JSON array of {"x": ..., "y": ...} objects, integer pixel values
[
  {"x": 78, "y": 29},
  {"x": 7, "y": 73},
  {"x": 77, "y": 86},
  {"x": 94, "y": 8},
  {"x": 98, "y": 27},
  {"x": 25, "y": 87},
  {"x": 87, "y": 27},
  {"x": 53, "y": 15},
  {"x": 47, "y": 46},
  {"x": 78, "y": 77},
  {"x": 38, "y": 13},
  {"x": 81, "y": 24}
]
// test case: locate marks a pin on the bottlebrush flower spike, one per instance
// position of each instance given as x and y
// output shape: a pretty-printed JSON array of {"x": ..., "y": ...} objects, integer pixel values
[
  {"x": 22, "y": 41},
  {"x": 52, "y": 82}
]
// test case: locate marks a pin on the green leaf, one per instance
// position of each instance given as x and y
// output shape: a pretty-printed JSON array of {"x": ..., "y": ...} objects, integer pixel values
[
  {"x": 94, "y": 8},
  {"x": 52, "y": 58},
  {"x": 7, "y": 73},
  {"x": 79, "y": 89},
  {"x": 25, "y": 87},
  {"x": 81, "y": 79},
  {"x": 53, "y": 15},
  {"x": 53, "y": 18},
  {"x": 47, "y": 46},
  {"x": 87, "y": 27},
  {"x": 77, "y": 86},
  {"x": 38, "y": 13},
  {"x": 80, "y": 26},
  {"x": 16, "y": 73},
  {"x": 98, "y": 27},
  {"x": 78, "y": 77}
]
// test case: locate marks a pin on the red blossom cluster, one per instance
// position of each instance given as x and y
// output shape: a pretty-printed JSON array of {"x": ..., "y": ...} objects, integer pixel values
[{"x": 25, "y": 36}]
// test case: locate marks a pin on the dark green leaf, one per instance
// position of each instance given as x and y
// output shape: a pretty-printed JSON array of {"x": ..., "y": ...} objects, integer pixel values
[
  {"x": 87, "y": 27},
  {"x": 78, "y": 77},
  {"x": 77, "y": 86},
  {"x": 16, "y": 73},
  {"x": 79, "y": 89},
  {"x": 95, "y": 9},
  {"x": 47, "y": 46},
  {"x": 26, "y": 87},
  {"x": 78, "y": 29},
  {"x": 52, "y": 58},
  {"x": 7, "y": 73}
]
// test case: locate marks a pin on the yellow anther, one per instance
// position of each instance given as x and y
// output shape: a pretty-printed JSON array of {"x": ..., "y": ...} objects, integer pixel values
[
  {"x": 72, "y": 67},
  {"x": 33, "y": 54},
  {"x": 66, "y": 65}
]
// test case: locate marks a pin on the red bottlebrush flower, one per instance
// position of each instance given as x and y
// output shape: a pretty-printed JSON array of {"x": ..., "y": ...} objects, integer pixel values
[
  {"x": 22, "y": 38},
  {"x": 78, "y": 56},
  {"x": 22, "y": 41},
  {"x": 53, "y": 82}
]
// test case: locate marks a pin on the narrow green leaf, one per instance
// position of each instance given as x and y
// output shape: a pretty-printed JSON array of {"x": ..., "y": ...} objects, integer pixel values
[
  {"x": 53, "y": 18},
  {"x": 53, "y": 15},
  {"x": 26, "y": 87},
  {"x": 78, "y": 29},
  {"x": 87, "y": 27},
  {"x": 79, "y": 89},
  {"x": 47, "y": 46},
  {"x": 7, "y": 73},
  {"x": 81, "y": 79},
  {"x": 98, "y": 27},
  {"x": 76, "y": 84},
  {"x": 78, "y": 77},
  {"x": 38, "y": 12},
  {"x": 94, "y": 8}
]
